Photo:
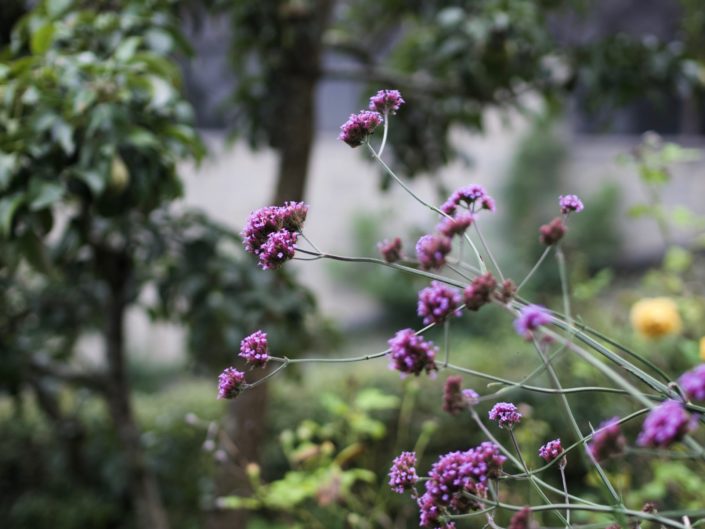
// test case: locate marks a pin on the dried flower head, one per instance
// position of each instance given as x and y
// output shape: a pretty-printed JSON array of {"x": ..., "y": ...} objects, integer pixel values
[
  {"x": 453, "y": 399},
  {"x": 390, "y": 249},
  {"x": 506, "y": 291},
  {"x": 479, "y": 291},
  {"x": 551, "y": 233},
  {"x": 521, "y": 519}
]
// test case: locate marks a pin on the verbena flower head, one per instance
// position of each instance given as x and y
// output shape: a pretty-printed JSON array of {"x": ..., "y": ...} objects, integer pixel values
[
  {"x": 471, "y": 396},
  {"x": 473, "y": 195},
  {"x": 607, "y": 441},
  {"x": 254, "y": 349},
  {"x": 390, "y": 249},
  {"x": 570, "y": 204},
  {"x": 479, "y": 291},
  {"x": 551, "y": 233},
  {"x": 505, "y": 414},
  {"x": 431, "y": 251},
  {"x": 437, "y": 302},
  {"x": 230, "y": 383},
  {"x": 279, "y": 248},
  {"x": 455, "y": 473},
  {"x": 693, "y": 383},
  {"x": 531, "y": 318},
  {"x": 411, "y": 354},
  {"x": 293, "y": 215},
  {"x": 665, "y": 425},
  {"x": 455, "y": 226},
  {"x": 402, "y": 475},
  {"x": 521, "y": 519},
  {"x": 551, "y": 450},
  {"x": 358, "y": 127},
  {"x": 272, "y": 219},
  {"x": 386, "y": 101},
  {"x": 655, "y": 317}
]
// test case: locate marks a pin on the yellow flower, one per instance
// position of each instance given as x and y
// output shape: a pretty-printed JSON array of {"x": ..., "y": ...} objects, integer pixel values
[
  {"x": 656, "y": 317},
  {"x": 702, "y": 348}
]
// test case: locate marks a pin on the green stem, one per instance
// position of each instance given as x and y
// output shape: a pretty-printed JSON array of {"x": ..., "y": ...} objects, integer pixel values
[{"x": 535, "y": 267}]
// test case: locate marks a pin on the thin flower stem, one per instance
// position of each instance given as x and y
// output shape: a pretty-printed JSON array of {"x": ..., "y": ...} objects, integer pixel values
[
  {"x": 424, "y": 203},
  {"x": 267, "y": 376},
  {"x": 565, "y": 290},
  {"x": 561, "y": 466},
  {"x": 446, "y": 341},
  {"x": 384, "y": 134},
  {"x": 310, "y": 242},
  {"x": 573, "y": 507},
  {"x": 535, "y": 267},
  {"x": 486, "y": 247}
]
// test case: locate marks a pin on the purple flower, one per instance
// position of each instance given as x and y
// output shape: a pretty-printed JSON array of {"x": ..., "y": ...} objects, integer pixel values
[
  {"x": 293, "y": 215},
  {"x": 551, "y": 233},
  {"x": 479, "y": 291},
  {"x": 271, "y": 219},
  {"x": 402, "y": 475},
  {"x": 470, "y": 195},
  {"x": 230, "y": 383},
  {"x": 455, "y": 226},
  {"x": 607, "y": 441},
  {"x": 531, "y": 318},
  {"x": 570, "y": 203},
  {"x": 279, "y": 248},
  {"x": 437, "y": 302},
  {"x": 506, "y": 415},
  {"x": 452, "y": 475},
  {"x": 471, "y": 396},
  {"x": 411, "y": 354},
  {"x": 390, "y": 250},
  {"x": 551, "y": 450},
  {"x": 359, "y": 126},
  {"x": 664, "y": 425},
  {"x": 431, "y": 251},
  {"x": 693, "y": 383},
  {"x": 521, "y": 519},
  {"x": 386, "y": 101},
  {"x": 254, "y": 349}
]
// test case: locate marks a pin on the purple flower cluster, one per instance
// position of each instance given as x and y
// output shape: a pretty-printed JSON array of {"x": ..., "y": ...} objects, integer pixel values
[
  {"x": 254, "y": 349},
  {"x": 506, "y": 415},
  {"x": 230, "y": 383},
  {"x": 693, "y": 383},
  {"x": 437, "y": 302},
  {"x": 479, "y": 291},
  {"x": 570, "y": 204},
  {"x": 665, "y": 425},
  {"x": 358, "y": 127},
  {"x": 531, "y": 318},
  {"x": 551, "y": 450},
  {"x": 607, "y": 441},
  {"x": 473, "y": 196},
  {"x": 385, "y": 101},
  {"x": 390, "y": 250},
  {"x": 431, "y": 251},
  {"x": 453, "y": 474},
  {"x": 402, "y": 475},
  {"x": 506, "y": 291},
  {"x": 411, "y": 354},
  {"x": 551, "y": 233},
  {"x": 271, "y": 233},
  {"x": 455, "y": 225}
]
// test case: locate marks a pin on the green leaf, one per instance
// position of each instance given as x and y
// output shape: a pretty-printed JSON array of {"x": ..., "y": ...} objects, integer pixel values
[
  {"x": 41, "y": 38},
  {"x": 34, "y": 251},
  {"x": 640, "y": 210},
  {"x": 677, "y": 260},
  {"x": 373, "y": 399},
  {"x": 142, "y": 138},
  {"x": 8, "y": 163},
  {"x": 238, "y": 502},
  {"x": 62, "y": 133},
  {"x": 57, "y": 7},
  {"x": 94, "y": 179},
  {"x": 8, "y": 206},
  {"x": 126, "y": 50},
  {"x": 44, "y": 193}
]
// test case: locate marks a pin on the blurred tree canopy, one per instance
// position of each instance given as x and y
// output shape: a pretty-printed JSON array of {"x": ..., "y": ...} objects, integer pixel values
[{"x": 451, "y": 60}]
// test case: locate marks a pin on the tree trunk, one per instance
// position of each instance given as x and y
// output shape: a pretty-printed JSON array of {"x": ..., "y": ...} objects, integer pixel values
[{"x": 143, "y": 488}]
